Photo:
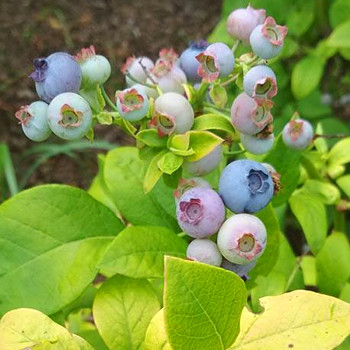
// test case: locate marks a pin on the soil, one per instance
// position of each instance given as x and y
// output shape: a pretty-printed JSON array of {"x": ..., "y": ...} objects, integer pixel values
[{"x": 117, "y": 29}]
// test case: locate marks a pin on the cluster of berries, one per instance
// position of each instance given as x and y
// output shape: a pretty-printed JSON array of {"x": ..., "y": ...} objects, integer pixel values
[{"x": 245, "y": 187}]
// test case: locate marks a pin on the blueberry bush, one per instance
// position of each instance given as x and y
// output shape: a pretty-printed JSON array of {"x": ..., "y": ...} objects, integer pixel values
[{"x": 183, "y": 240}]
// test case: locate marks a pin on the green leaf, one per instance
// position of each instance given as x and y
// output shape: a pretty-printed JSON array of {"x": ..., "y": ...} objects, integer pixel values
[
  {"x": 202, "y": 305},
  {"x": 153, "y": 173},
  {"x": 202, "y": 142},
  {"x": 324, "y": 191},
  {"x": 105, "y": 118},
  {"x": 340, "y": 153},
  {"x": 50, "y": 236},
  {"x": 339, "y": 12},
  {"x": 308, "y": 266},
  {"x": 138, "y": 252},
  {"x": 169, "y": 163},
  {"x": 213, "y": 122},
  {"x": 22, "y": 329},
  {"x": 218, "y": 95},
  {"x": 150, "y": 138},
  {"x": 312, "y": 216},
  {"x": 122, "y": 310},
  {"x": 295, "y": 320},
  {"x": 340, "y": 37},
  {"x": 345, "y": 293},
  {"x": 123, "y": 174},
  {"x": 286, "y": 162},
  {"x": 344, "y": 183},
  {"x": 306, "y": 75},
  {"x": 156, "y": 338},
  {"x": 311, "y": 106},
  {"x": 290, "y": 48},
  {"x": 333, "y": 264},
  {"x": 95, "y": 99},
  {"x": 300, "y": 18}
]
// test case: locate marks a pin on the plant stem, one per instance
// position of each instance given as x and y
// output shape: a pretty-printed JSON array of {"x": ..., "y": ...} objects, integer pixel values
[
  {"x": 232, "y": 79},
  {"x": 108, "y": 100}
]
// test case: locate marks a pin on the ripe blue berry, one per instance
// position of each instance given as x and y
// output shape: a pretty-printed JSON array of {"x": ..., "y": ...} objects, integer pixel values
[
  {"x": 187, "y": 184},
  {"x": 245, "y": 186},
  {"x": 256, "y": 144},
  {"x": 267, "y": 39},
  {"x": 173, "y": 114},
  {"x": 96, "y": 69},
  {"x": 242, "y": 22},
  {"x": 242, "y": 239},
  {"x": 57, "y": 73},
  {"x": 137, "y": 68},
  {"x": 132, "y": 104},
  {"x": 240, "y": 270},
  {"x": 69, "y": 116},
  {"x": 200, "y": 212},
  {"x": 205, "y": 165},
  {"x": 298, "y": 134},
  {"x": 217, "y": 60},
  {"x": 188, "y": 61},
  {"x": 260, "y": 83},
  {"x": 34, "y": 121},
  {"x": 248, "y": 116},
  {"x": 205, "y": 251}
]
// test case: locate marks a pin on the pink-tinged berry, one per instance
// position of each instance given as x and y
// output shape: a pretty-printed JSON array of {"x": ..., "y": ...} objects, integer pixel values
[
  {"x": 172, "y": 114},
  {"x": 260, "y": 83},
  {"x": 69, "y": 116},
  {"x": 205, "y": 251},
  {"x": 205, "y": 165},
  {"x": 168, "y": 55},
  {"x": 33, "y": 119},
  {"x": 186, "y": 184},
  {"x": 257, "y": 144},
  {"x": 298, "y": 134},
  {"x": 96, "y": 69},
  {"x": 138, "y": 69},
  {"x": 242, "y": 239},
  {"x": 132, "y": 104},
  {"x": 248, "y": 116},
  {"x": 267, "y": 39},
  {"x": 200, "y": 212},
  {"x": 240, "y": 270},
  {"x": 217, "y": 60},
  {"x": 242, "y": 22}
]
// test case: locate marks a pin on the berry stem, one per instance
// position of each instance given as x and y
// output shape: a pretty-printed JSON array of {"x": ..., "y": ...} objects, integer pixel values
[
  {"x": 235, "y": 45},
  {"x": 229, "y": 81},
  {"x": 152, "y": 86},
  {"x": 233, "y": 153},
  {"x": 108, "y": 100},
  {"x": 332, "y": 136}
]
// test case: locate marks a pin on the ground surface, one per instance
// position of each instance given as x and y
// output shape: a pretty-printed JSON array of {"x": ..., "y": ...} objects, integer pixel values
[{"x": 117, "y": 28}]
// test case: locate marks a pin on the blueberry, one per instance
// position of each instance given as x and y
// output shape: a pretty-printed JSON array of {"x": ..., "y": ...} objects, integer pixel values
[
  {"x": 69, "y": 116},
  {"x": 257, "y": 144},
  {"x": 34, "y": 121},
  {"x": 200, "y": 212},
  {"x": 138, "y": 68},
  {"x": 242, "y": 22},
  {"x": 242, "y": 239},
  {"x": 173, "y": 114},
  {"x": 267, "y": 39},
  {"x": 260, "y": 83},
  {"x": 169, "y": 77},
  {"x": 205, "y": 251},
  {"x": 248, "y": 116},
  {"x": 186, "y": 184},
  {"x": 148, "y": 91},
  {"x": 188, "y": 61},
  {"x": 245, "y": 186},
  {"x": 217, "y": 60},
  {"x": 96, "y": 69},
  {"x": 57, "y": 73},
  {"x": 298, "y": 134},
  {"x": 240, "y": 270},
  {"x": 205, "y": 165},
  {"x": 132, "y": 104}
]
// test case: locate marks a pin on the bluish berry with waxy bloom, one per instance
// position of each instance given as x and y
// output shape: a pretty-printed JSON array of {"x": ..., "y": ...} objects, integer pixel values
[
  {"x": 267, "y": 39},
  {"x": 242, "y": 22},
  {"x": 217, "y": 60},
  {"x": 204, "y": 250},
  {"x": 150, "y": 92},
  {"x": 242, "y": 239},
  {"x": 248, "y": 116},
  {"x": 257, "y": 144},
  {"x": 260, "y": 83},
  {"x": 245, "y": 186},
  {"x": 200, "y": 212},
  {"x": 33, "y": 119},
  {"x": 240, "y": 270},
  {"x": 298, "y": 134},
  {"x": 138, "y": 68},
  {"x": 186, "y": 184},
  {"x": 173, "y": 114},
  {"x": 132, "y": 104},
  {"x": 69, "y": 116},
  {"x": 55, "y": 74},
  {"x": 188, "y": 61},
  {"x": 205, "y": 165},
  {"x": 96, "y": 69}
]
